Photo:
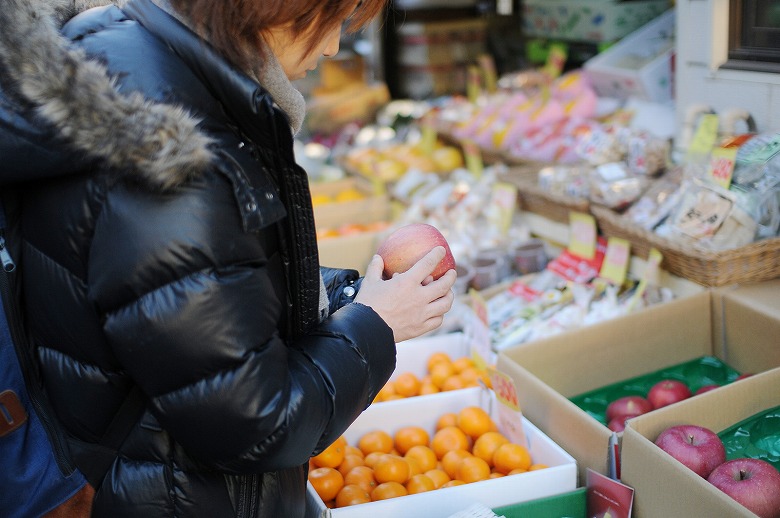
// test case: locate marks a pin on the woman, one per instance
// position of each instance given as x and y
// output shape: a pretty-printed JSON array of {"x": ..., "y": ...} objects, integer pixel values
[{"x": 169, "y": 249}]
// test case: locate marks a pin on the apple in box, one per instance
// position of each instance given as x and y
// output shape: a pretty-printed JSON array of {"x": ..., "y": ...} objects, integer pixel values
[
  {"x": 666, "y": 392},
  {"x": 698, "y": 448},
  {"x": 754, "y": 483},
  {"x": 404, "y": 247},
  {"x": 628, "y": 406}
]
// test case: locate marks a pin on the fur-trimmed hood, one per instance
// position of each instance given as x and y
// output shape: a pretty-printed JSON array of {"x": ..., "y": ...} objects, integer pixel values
[{"x": 158, "y": 143}]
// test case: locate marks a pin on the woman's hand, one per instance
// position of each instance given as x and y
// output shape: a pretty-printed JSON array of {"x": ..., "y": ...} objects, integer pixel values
[{"x": 411, "y": 303}]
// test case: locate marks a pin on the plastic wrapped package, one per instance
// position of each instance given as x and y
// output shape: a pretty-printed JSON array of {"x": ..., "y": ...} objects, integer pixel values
[
  {"x": 647, "y": 154},
  {"x": 658, "y": 201},
  {"x": 615, "y": 186},
  {"x": 602, "y": 147},
  {"x": 709, "y": 217},
  {"x": 643, "y": 152},
  {"x": 756, "y": 182},
  {"x": 565, "y": 180}
]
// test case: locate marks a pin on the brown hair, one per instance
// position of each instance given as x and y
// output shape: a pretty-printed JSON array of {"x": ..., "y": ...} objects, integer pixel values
[{"x": 236, "y": 27}]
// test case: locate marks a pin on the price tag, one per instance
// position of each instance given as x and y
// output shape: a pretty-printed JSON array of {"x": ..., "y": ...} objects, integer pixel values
[
  {"x": 473, "y": 156},
  {"x": 428, "y": 139},
  {"x": 502, "y": 207},
  {"x": 520, "y": 289},
  {"x": 481, "y": 344},
  {"x": 473, "y": 84},
  {"x": 576, "y": 269},
  {"x": 705, "y": 137},
  {"x": 721, "y": 167},
  {"x": 488, "y": 66},
  {"x": 649, "y": 276},
  {"x": 556, "y": 60},
  {"x": 615, "y": 266},
  {"x": 607, "y": 496},
  {"x": 583, "y": 235},
  {"x": 510, "y": 418},
  {"x": 378, "y": 185}
]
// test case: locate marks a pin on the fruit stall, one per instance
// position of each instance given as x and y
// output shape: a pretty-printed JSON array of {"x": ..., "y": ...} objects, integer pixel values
[{"x": 613, "y": 345}]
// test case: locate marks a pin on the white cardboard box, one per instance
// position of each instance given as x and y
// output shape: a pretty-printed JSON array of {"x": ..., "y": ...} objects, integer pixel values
[
  {"x": 641, "y": 65},
  {"x": 664, "y": 487},
  {"x": 559, "y": 477},
  {"x": 412, "y": 355}
]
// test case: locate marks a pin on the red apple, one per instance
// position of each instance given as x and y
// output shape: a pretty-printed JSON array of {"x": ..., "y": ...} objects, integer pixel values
[
  {"x": 618, "y": 424},
  {"x": 705, "y": 388},
  {"x": 754, "y": 483},
  {"x": 698, "y": 448},
  {"x": 407, "y": 245},
  {"x": 628, "y": 406},
  {"x": 743, "y": 376},
  {"x": 666, "y": 392}
]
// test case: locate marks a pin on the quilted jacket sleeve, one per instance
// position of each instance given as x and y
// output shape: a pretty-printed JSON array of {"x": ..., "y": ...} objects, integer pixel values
[
  {"x": 192, "y": 309},
  {"x": 341, "y": 284}
]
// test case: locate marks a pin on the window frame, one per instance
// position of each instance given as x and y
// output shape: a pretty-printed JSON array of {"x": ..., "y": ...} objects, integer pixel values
[{"x": 743, "y": 53}]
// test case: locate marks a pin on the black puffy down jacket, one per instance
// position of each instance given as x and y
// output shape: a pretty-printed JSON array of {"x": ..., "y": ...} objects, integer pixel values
[{"x": 169, "y": 244}]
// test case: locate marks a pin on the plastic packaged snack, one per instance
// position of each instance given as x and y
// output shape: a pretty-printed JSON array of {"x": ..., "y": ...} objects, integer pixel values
[
  {"x": 709, "y": 217},
  {"x": 615, "y": 186},
  {"x": 565, "y": 180},
  {"x": 658, "y": 201}
]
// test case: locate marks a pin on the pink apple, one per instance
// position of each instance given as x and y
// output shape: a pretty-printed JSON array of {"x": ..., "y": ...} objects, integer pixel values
[
  {"x": 705, "y": 388},
  {"x": 618, "y": 424},
  {"x": 408, "y": 244},
  {"x": 698, "y": 448},
  {"x": 754, "y": 483},
  {"x": 666, "y": 392},
  {"x": 628, "y": 406}
]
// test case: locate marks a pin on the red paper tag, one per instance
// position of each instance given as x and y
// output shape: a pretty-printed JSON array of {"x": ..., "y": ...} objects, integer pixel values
[
  {"x": 576, "y": 269},
  {"x": 520, "y": 289}
]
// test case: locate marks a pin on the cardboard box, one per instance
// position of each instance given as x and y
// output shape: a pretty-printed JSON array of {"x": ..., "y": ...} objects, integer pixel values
[
  {"x": 641, "y": 65},
  {"x": 664, "y": 487},
  {"x": 412, "y": 355},
  {"x": 559, "y": 477},
  {"x": 353, "y": 250},
  {"x": 715, "y": 322},
  {"x": 373, "y": 207},
  {"x": 588, "y": 20}
]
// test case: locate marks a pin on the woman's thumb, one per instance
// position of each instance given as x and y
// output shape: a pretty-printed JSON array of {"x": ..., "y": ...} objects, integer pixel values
[{"x": 375, "y": 267}]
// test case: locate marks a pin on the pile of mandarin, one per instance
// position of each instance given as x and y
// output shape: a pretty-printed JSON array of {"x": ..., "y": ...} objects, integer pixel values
[
  {"x": 443, "y": 374},
  {"x": 465, "y": 447}
]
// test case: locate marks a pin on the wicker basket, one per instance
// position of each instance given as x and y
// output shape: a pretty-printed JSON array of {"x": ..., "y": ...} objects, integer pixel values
[
  {"x": 758, "y": 261},
  {"x": 533, "y": 198}
]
